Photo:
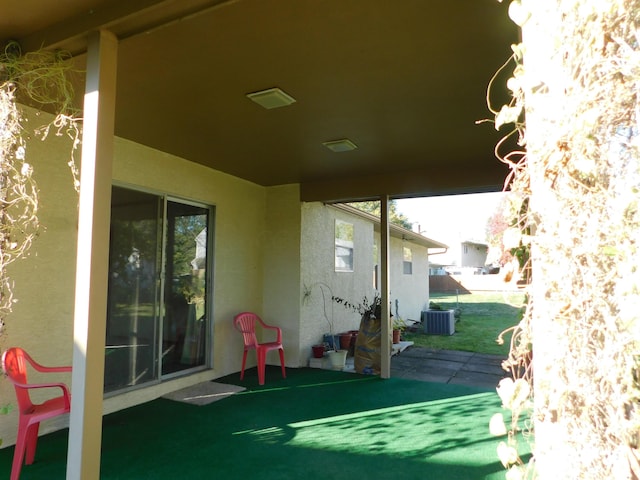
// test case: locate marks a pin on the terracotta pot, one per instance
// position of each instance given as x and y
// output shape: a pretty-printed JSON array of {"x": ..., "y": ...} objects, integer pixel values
[
  {"x": 345, "y": 341},
  {"x": 318, "y": 351},
  {"x": 396, "y": 336}
]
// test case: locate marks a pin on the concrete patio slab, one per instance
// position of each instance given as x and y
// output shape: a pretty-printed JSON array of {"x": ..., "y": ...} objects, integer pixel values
[{"x": 449, "y": 366}]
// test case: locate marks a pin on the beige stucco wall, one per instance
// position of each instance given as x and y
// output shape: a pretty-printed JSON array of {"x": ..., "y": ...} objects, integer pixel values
[
  {"x": 251, "y": 223},
  {"x": 411, "y": 292},
  {"x": 318, "y": 261},
  {"x": 281, "y": 242}
]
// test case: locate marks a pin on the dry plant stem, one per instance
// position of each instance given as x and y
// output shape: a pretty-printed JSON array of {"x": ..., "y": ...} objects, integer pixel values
[
  {"x": 18, "y": 196},
  {"x": 40, "y": 78}
]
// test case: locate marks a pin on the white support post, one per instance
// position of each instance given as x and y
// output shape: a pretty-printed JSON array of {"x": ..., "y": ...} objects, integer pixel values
[
  {"x": 85, "y": 423},
  {"x": 385, "y": 350}
]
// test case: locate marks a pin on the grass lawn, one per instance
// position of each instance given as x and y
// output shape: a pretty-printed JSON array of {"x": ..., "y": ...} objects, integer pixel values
[{"x": 483, "y": 316}]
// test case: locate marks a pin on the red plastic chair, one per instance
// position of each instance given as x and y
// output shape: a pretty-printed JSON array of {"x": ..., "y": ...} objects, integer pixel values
[
  {"x": 14, "y": 364},
  {"x": 246, "y": 323}
]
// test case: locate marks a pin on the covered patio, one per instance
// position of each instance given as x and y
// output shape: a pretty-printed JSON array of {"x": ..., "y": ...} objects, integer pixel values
[
  {"x": 315, "y": 422},
  {"x": 401, "y": 84}
]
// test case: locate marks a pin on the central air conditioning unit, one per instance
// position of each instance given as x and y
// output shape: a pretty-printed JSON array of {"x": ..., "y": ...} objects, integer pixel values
[{"x": 438, "y": 322}]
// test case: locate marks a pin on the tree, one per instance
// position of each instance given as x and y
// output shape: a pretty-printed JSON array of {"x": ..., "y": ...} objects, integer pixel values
[
  {"x": 373, "y": 208},
  {"x": 504, "y": 232},
  {"x": 496, "y": 227}
]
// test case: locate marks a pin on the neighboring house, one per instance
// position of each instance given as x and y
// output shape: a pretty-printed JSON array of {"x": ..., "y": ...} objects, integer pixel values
[
  {"x": 473, "y": 254},
  {"x": 469, "y": 258},
  {"x": 473, "y": 257}
]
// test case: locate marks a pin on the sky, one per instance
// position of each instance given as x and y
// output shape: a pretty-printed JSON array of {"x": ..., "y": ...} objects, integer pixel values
[{"x": 455, "y": 217}]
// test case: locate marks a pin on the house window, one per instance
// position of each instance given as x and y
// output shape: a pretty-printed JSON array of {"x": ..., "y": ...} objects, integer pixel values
[
  {"x": 158, "y": 310},
  {"x": 344, "y": 246},
  {"x": 407, "y": 261}
]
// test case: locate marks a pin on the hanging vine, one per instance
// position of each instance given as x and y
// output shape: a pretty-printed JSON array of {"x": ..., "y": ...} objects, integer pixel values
[{"x": 39, "y": 78}]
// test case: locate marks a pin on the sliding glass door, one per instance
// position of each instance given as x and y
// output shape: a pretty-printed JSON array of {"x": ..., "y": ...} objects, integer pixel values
[
  {"x": 158, "y": 281},
  {"x": 183, "y": 332}
]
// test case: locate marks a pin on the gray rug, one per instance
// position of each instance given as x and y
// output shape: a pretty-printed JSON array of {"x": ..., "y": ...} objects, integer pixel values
[{"x": 204, "y": 393}]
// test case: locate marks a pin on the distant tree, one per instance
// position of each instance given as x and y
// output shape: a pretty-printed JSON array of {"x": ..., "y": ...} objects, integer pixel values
[
  {"x": 497, "y": 225},
  {"x": 373, "y": 208}
]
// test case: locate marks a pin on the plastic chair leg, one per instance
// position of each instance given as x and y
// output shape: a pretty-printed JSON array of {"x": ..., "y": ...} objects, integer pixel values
[
  {"x": 31, "y": 444},
  {"x": 18, "y": 454},
  {"x": 281, "y": 352},
  {"x": 244, "y": 361},
  {"x": 262, "y": 360}
]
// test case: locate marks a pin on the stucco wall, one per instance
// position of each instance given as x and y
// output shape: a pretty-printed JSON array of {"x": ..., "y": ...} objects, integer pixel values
[
  {"x": 409, "y": 293},
  {"x": 318, "y": 257},
  {"x": 281, "y": 240}
]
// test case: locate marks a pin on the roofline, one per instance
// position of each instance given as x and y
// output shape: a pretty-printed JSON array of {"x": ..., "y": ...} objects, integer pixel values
[
  {"x": 471, "y": 242},
  {"x": 394, "y": 230}
]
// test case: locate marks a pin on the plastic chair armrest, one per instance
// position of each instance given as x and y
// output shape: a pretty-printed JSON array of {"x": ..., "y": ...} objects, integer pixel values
[
  {"x": 45, "y": 369},
  {"x": 278, "y": 332},
  {"x": 61, "y": 386}
]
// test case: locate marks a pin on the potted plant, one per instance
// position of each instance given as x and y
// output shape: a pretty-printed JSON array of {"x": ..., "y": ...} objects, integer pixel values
[
  {"x": 367, "y": 354},
  {"x": 337, "y": 356},
  {"x": 398, "y": 328}
]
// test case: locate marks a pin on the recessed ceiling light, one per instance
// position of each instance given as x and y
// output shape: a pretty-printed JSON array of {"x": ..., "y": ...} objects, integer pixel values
[
  {"x": 343, "y": 145},
  {"x": 271, "y": 98}
]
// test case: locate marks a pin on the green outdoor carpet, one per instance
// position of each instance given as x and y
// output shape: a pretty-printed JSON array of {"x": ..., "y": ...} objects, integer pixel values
[{"x": 314, "y": 424}]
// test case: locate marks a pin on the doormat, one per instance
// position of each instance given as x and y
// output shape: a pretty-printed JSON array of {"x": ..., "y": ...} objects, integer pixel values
[{"x": 203, "y": 393}]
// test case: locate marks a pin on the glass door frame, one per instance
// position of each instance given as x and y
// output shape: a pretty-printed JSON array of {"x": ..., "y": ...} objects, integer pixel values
[
  {"x": 208, "y": 330},
  {"x": 160, "y": 308}
]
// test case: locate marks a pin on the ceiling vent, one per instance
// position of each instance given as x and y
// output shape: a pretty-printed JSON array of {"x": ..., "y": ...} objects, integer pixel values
[
  {"x": 343, "y": 145},
  {"x": 271, "y": 98}
]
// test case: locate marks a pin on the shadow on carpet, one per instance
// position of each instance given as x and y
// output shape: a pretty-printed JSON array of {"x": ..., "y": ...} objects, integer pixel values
[{"x": 315, "y": 423}]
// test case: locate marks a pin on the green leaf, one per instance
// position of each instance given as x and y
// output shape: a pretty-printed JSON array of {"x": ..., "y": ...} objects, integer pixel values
[{"x": 610, "y": 251}]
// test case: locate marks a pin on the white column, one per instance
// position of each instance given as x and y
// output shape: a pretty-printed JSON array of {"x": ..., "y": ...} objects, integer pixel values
[
  {"x": 85, "y": 424},
  {"x": 385, "y": 350}
]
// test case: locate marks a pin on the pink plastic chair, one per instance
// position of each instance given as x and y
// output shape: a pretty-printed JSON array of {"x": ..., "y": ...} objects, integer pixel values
[
  {"x": 246, "y": 323},
  {"x": 14, "y": 364}
]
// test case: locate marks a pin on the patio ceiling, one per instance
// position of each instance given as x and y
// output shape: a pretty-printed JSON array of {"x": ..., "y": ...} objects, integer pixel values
[{"x": 404, "y": 80}]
